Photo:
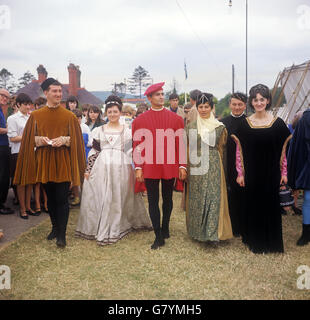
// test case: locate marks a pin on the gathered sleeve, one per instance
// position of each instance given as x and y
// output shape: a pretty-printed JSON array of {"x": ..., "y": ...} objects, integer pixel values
[
  {"x": 239, "y": 157},
  {"x": 137, "y": 153},
  {"x": 283, "y": 160},
  {"x": 181, "y": 144}
]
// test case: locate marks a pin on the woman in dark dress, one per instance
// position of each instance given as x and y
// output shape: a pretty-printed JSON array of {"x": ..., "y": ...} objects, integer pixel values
[{"x": 261, "y": 141}]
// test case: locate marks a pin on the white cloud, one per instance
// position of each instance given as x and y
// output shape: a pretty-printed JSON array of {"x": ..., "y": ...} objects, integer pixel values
[{"x": 108, "y": 39}]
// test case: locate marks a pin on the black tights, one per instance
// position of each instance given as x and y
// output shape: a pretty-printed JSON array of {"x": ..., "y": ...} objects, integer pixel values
[
  {"x": 152, "y": 186},
  {"x": 58, "y": 205}
]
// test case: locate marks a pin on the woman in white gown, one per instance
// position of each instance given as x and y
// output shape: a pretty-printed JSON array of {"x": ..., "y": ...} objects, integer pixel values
[{"x": 109, "y": 208}]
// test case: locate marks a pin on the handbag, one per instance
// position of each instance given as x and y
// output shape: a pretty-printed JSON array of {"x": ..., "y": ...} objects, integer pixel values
[{"x": 286, "y": 198}]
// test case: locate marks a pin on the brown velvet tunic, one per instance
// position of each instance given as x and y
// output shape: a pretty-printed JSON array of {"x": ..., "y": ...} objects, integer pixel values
[{"x": 51, "y": 164}]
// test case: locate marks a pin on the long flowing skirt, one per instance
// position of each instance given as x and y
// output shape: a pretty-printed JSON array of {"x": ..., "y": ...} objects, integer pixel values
[{"x": 109, "y": 207}]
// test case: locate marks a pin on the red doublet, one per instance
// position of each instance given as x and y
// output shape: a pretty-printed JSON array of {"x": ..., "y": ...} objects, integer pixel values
[{"x": 162, "y": 148}]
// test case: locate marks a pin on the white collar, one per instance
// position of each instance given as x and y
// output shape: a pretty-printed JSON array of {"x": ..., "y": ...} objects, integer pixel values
[
  {"x": 158, "y": 109},
  {"x": 20, "y": 114},
  {"x": 237, "y": 116},
  {"x": 53, "y": 107}
]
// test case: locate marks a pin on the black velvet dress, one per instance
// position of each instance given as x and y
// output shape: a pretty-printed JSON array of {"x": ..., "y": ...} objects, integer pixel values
[
  {"x": 262, "y": 151},
  {"x": 234, "y": 191}
]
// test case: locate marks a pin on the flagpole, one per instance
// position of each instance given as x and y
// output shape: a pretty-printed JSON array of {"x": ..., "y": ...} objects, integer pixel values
[{"x": 185, "y": 95}]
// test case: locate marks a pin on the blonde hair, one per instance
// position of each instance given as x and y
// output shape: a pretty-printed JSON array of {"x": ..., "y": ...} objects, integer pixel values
[{"x": 129, "y": 109}]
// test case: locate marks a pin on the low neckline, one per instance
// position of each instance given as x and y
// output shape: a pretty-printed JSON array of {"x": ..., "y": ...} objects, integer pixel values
[
  {"x": 113, "y": 132},
  {"x": 261, "y": 126}
]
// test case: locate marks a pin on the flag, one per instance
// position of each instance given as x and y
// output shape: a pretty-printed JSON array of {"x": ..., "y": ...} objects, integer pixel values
[{"x": 185, "y": 70}]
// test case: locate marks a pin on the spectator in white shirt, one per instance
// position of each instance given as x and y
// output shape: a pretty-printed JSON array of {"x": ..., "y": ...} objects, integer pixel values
[{"x": 16, "y": 124}]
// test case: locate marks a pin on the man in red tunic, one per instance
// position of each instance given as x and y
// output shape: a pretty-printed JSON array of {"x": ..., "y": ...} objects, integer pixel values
[{"x": 159, "y": 154}]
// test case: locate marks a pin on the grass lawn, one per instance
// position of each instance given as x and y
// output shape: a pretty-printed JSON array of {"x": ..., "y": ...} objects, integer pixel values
[{"x": 129, "y": 269}]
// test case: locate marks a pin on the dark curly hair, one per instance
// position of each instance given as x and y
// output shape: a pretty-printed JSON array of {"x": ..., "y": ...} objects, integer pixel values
[
  {"x": 203, "y": 98},
  {"x": 263, "y": 91},
  {"x": 112, "y": 101}
]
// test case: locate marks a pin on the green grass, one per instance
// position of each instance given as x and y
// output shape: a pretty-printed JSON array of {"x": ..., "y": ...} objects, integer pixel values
[{"x": 129, "y": 269}]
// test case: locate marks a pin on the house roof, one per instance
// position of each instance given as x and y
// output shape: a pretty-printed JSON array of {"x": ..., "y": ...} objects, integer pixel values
[{"x": 34, "y": 91}]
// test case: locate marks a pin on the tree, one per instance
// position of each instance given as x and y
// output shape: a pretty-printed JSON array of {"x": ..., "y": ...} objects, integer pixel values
[
  {"x": 139, "y": 80},
  {"x": 182, "y": 98},
  {"x": 119, "y": 89},
  {"x": 7, "y": 81},
  {"x": 25, "y": 79},
  {"x": 5, "y": 78},
  {"x": 222, "y": 106},
  {"x": 174, "y": 88}
]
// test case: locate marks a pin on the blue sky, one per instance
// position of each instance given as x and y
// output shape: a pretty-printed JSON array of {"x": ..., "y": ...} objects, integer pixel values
[{"x": 108, "y": 39}]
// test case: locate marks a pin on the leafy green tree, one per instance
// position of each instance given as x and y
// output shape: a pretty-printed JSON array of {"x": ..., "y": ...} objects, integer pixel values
[
  {"x": 182, "y": 98},
  {"x": 222, "y": 106}
]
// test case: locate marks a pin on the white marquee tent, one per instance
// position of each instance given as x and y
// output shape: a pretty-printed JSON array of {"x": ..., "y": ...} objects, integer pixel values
[{"x": 295, "y": 84}]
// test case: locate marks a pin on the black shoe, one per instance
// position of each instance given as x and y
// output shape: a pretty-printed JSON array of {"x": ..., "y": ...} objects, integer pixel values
[
  {"x": 23, "y": 216},
  {"x": 305, "y": 237},
  {"x": 52, "y": 235},
  {"x": 283, "y": 212},
  {"x": 61, "y": 242},
  {"x": 165, "y": 233},
  {"x": 159, "y": 242},
  {"x": 297, "y": 211},
  {"x": 6, "y": 210},
  {"x": 36, "y": 213}
]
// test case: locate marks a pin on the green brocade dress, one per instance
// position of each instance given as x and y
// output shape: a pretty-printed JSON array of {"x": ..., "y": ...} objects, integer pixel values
[{"x": 207, "y": 213}]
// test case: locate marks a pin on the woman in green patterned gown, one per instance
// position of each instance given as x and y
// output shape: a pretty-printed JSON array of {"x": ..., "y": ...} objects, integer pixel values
[{"x": 207, "y": 215}]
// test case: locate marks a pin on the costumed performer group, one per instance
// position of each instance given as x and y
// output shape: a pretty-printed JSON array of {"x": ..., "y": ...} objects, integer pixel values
[{"x": 233, "y": 190}]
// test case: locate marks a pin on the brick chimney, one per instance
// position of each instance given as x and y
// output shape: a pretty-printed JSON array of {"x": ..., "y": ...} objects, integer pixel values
[
  {"x": 42, "y": 73},
  {"x": 78, "y": 75},
  {"x": 74, "y": 76}
]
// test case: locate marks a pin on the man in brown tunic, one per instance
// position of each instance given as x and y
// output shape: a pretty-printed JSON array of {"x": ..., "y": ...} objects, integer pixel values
[{"x": 52, "y": 153}]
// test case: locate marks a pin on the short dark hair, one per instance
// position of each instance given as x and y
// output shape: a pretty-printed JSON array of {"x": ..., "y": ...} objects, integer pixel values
[
  {"x": 85, "y": 107},
  {"x": 72, "y": 99},
  {"x": 173, "y": 96},
  {"x": 40, "y": 101},
  {"x": 194, "y": 94},
  {"x": 55, "y": 83},
  {"x": 112, "y": 101},
  {"x": 239, "y": 96},
  {"x": 22, "y": 98},
  {"x": 187, "y": 106},
  {"x": 263, "y": 91},
  {"x": 205, "y": 98},
  {"x": 78, "y": 113}
]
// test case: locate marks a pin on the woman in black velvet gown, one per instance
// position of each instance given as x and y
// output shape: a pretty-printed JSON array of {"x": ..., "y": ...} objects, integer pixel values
[{"x": 261, "y": 140}]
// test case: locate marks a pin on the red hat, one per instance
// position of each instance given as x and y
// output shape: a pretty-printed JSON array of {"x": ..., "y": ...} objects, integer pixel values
[{"x": 153, "y": 88}]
